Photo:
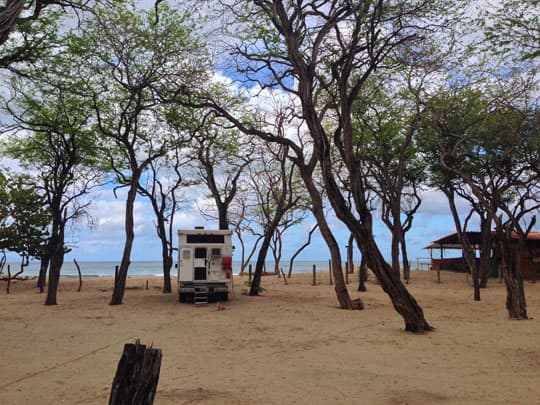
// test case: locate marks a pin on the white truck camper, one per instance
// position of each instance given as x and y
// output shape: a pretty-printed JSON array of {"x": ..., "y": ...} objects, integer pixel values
[{"x": 204, "y": 265}]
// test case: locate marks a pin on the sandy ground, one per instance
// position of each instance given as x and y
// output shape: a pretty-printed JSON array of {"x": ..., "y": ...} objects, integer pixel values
[{"x": 290, "y": 346}]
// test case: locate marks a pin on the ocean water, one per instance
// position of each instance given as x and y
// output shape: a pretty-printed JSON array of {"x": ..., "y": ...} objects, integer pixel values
[{"x": 151, "y": 268}]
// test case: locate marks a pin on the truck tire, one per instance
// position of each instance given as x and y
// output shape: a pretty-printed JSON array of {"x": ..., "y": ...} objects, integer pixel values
[{"x": 181, "y": 297}]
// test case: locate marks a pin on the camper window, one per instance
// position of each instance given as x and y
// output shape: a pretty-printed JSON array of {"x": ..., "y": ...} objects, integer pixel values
[
  {"x": 216, "y": 252},
  {"x": 205, "y": 238},
  {"x": 186, "y": 254},
  {"x": 200, "y": 253}
]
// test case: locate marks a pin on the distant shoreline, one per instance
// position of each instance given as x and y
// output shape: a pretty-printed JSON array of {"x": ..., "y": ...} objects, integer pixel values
[{"x": 95, "y": 269}]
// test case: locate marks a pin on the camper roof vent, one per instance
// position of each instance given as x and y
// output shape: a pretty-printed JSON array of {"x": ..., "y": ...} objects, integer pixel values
[{"x": 199, "y": 227}]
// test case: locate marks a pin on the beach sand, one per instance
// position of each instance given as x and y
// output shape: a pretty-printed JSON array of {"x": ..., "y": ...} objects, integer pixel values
[{"x": 290, "y": 346}]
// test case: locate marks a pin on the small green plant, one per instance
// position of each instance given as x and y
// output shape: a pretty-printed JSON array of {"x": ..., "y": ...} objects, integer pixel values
[{"x": 260, "y": 289}]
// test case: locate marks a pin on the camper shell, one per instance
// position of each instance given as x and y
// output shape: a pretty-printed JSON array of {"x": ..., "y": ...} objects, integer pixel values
[{"x": 204, "y": 265}]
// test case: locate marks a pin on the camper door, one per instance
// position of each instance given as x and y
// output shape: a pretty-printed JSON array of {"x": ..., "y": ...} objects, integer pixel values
[
  {"x": 200, "y": 264},
  {"x": 185, "y": 269}
]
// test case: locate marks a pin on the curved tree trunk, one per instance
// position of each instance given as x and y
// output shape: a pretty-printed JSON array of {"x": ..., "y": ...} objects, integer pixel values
[
  {"x": 402, "y": 300},
  {"x": 121, "y": 275},
  {"x": 259, "y": 266},
  {"x": 340, "y": 286}
]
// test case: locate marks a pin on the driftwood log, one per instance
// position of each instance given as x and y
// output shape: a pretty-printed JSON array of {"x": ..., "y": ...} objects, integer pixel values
[{"x": 137, "y": 376}]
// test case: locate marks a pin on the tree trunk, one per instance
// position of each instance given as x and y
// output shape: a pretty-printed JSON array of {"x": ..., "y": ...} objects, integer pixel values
[
  {"x": 165, "y": 255},
  {"x": 473, "y": 266},
  {"x": 56, "y": 257},
  {"x": 403, "y": 302},
  {"x": 466, "y": 248},
  {"x": 259, "y": 266},
  {"x": 137, "y": 376},
  {"x": 121, "y": 276},
  {"x": 362, "y": 275},
  {"x": 167, "y": 265},
  {"x": 340, "y": 286},
  {"x": 277, "y": 253},
  {"x": 395, "y": 251},
  {"x": 511, "y": 272},
  {"x": 222, "y": 213},
  {"x": 43, "y": 267},
  {"x": 405, "y": 256},
  {"x": 485, "y": 252}
]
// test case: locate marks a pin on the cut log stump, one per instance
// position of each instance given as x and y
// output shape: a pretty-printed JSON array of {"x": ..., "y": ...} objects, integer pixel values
[{"x": 137, "y": 375}]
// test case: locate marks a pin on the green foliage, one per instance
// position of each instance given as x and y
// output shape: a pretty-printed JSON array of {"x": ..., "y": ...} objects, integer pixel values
[
  {"x": 33, "y": 40},
  {"x": 512, "y": 28},
  {"x": 24, "y": 218},
  {"x": 62, "y": 135},
  {"x": 486, "y": 143},
  {"x": 129, "y": 61}
]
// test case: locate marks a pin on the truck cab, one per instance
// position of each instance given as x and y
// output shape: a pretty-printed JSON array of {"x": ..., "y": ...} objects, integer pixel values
[{"x": 204, "y": 265}]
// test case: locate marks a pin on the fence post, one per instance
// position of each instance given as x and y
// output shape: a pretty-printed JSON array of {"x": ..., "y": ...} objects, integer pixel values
[{"x": 330, "y": 271}]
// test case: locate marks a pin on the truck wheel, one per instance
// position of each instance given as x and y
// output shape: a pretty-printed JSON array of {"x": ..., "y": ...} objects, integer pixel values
[{"x": 181, "y": 297}]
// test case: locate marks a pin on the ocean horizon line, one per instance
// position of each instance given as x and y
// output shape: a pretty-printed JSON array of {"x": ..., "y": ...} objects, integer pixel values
[{"x": 107, "y": 268}]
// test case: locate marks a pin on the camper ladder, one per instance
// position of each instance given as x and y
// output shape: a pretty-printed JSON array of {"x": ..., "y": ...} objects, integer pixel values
[{"x": 200, "y": 295}]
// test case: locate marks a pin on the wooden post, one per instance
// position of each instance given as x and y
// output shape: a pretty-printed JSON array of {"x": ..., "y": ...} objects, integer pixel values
[
  {"x": 314, "y": 274},
  {"x": 439, "y": 266},
  {"x": 8, "y": 285},
  {"x": 346, "y": 273},
  {"x": 137, "y": 376},
  {"x": 249, "y": 277},
  {"x": 330, "y": 271},
  {"x": 115, "y": 273},
  {"x": 350, "y": 258}
]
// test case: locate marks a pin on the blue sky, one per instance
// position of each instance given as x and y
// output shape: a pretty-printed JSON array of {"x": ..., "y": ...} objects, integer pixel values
[{"x": 103, "y": 241}]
